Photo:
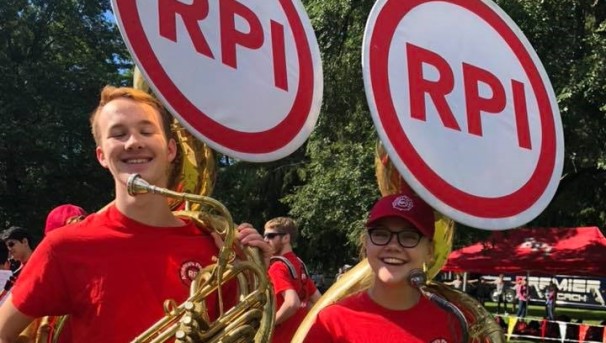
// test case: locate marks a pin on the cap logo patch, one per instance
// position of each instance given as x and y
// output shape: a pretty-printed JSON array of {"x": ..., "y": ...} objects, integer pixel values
[{"x": 403, "y": 203}]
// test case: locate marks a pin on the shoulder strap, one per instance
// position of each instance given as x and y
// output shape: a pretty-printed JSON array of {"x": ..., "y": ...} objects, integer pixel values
[
  {"x": 291, "y": 268},
  {"x": 304, "y": 267}
]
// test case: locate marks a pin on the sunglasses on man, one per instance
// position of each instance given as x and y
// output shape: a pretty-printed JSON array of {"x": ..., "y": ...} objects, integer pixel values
[{"x": 272, "y": 235}]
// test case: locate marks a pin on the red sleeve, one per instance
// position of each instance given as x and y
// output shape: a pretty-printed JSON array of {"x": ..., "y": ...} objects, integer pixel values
[
  {"x": 41, "y": 289},
  {"x": 311, "y": 287}
]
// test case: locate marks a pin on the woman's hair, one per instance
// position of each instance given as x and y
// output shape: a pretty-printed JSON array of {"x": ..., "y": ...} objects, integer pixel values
[{"x": 362, "y": 245}]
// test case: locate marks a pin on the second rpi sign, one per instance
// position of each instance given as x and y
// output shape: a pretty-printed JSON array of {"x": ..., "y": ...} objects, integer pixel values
[{"x": 464, "y": 108}]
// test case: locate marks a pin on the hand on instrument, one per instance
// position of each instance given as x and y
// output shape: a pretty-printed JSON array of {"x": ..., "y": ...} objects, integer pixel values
[{"x": 247, "y": 235}]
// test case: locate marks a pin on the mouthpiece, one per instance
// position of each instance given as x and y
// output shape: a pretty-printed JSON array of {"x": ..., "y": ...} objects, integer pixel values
[
  {"x": 136, "y": 185},
  {"x": 417, "y": 278}
]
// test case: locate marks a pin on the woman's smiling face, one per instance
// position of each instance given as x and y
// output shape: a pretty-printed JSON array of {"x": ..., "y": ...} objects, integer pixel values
[{"x": 392, "y": 263}]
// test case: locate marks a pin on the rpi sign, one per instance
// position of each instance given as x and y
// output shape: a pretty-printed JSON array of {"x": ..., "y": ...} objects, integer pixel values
[
  {"x": 464, "y": 109},
  {"x": 244, "y": 76}
]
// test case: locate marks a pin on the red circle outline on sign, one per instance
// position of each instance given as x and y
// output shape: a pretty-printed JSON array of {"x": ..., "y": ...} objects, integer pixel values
[
  {"x": 262, "y": 142},
  {"x": 506, "y": 206}
]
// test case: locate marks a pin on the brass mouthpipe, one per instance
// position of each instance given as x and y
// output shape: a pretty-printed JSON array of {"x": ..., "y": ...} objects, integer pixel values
[
  {"x": 135, "y": 185},
  {"x": 236, "y": 322}
]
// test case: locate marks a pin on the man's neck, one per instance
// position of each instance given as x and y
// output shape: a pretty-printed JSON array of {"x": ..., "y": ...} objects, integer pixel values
[
  {"x": 285, "y": 250},
  {"x": 149, "y": 209},
  {"x": 26, "y": 257}
]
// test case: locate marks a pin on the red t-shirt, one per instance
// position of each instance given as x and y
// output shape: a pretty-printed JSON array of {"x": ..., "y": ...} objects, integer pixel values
[
  {"x": 358, "y": 319},
  {"x": 111, "y": 275},
  {"x": 282, "y": 280}
]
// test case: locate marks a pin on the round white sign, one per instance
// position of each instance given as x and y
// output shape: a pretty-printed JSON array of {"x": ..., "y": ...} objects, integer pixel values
[
  {"x": 464, "y": 108},
  {"x": 244, "y": 76}
]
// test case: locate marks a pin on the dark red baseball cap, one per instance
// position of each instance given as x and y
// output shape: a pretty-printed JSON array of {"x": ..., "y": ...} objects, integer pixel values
[
  {"x": 59, "y": 216},
  {"x": 407, "y": 206}
]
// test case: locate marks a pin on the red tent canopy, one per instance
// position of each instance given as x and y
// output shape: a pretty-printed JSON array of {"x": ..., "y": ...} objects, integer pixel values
[{"x": 566, "y": 251}]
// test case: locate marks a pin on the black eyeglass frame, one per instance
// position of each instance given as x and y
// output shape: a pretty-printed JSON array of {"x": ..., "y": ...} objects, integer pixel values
[
  {"x": 272, "y": 235},
  {"x": 391, "y": 234}
]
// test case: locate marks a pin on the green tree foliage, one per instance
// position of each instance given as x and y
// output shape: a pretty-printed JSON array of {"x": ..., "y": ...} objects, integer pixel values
[
  {"x": 570, "y": 38},
  {"x": 339, "y": 184},
  {"x": 252, "y": 192},
  {"x": 55, "y": 56}
]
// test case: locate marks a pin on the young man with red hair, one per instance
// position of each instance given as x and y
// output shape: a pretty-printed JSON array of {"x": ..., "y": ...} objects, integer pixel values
[{"x": 112, "y": 272}]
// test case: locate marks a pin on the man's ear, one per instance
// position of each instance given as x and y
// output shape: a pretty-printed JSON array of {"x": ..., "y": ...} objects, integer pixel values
[{"x": 101, "y": 157}]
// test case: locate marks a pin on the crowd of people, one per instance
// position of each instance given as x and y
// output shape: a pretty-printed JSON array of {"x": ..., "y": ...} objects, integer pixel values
[{"x": 494, "y": 290}]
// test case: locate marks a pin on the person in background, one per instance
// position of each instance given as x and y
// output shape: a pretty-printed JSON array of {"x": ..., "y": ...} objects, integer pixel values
[
  {"x": 294, "y": 289},
  {"x": 499, "y": 283},
  {"x": 457, "y": 283},
  {"x": 116, "y": 268},
  {"x": 20, "y": 247},
  {"x": 551, "y": 295},
  {"x": 398, "y": 240},
  {"x": 522, "y": 296},
  {"x": 19, "y": 243},
  {"x": 63, "y": 215}
]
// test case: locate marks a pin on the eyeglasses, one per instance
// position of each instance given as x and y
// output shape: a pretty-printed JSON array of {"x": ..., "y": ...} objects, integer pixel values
[
  {"x": 272, "y": 235},
  {"x": 382, "y": 236},
  {"x": 10, "y": 244}
]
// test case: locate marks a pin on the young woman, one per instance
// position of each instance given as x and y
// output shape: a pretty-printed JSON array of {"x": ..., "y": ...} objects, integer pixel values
[{"x": 398, "y": 240}]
